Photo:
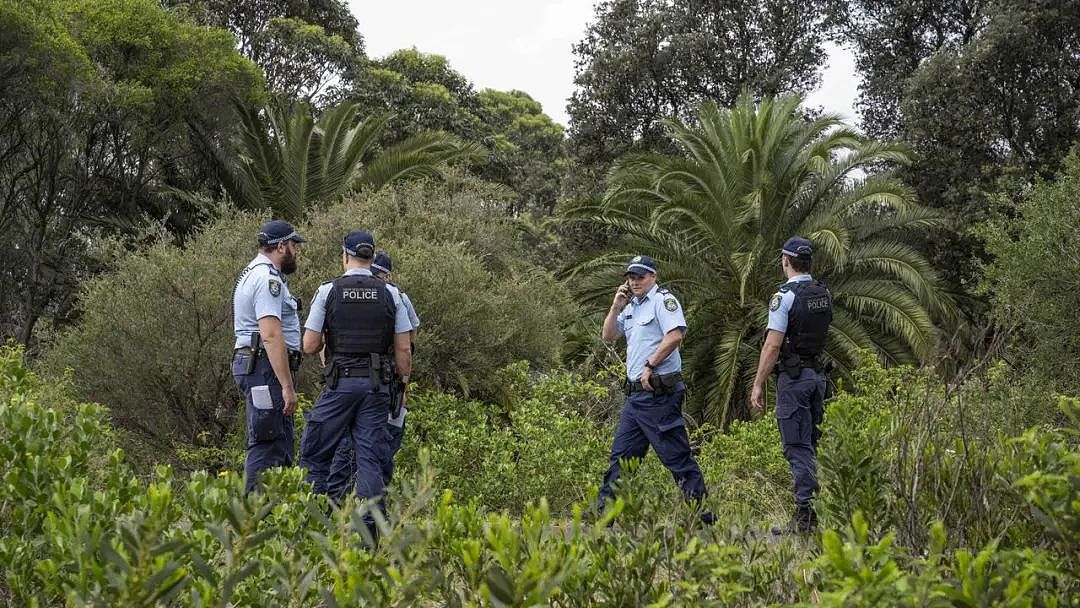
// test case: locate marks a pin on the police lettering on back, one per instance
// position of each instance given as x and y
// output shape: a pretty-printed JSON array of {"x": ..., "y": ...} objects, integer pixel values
[{"x": 352, "y": 294}]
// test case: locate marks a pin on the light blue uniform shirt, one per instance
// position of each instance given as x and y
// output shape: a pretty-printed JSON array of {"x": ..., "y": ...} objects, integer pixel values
[
  {"x": 781, "y": 302},
  {"x": 261, "y": 291},
  {"x": 415, "y": 320},
  {"x": 645, "y": 321},
  {"x": 317, "y": 316}
]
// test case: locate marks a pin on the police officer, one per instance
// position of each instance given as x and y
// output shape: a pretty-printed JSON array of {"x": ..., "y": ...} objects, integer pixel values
[
  {"x": 266, "y": 324},
  {"x": 799, "y": 318},
  {"x": 365, "y": 328},
  {"x": 652, "y": 320},
  {"x": 343, "y": 467}
]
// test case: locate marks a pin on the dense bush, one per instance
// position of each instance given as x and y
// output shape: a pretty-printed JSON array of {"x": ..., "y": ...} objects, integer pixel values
[
  {"x": 77, "y": 528},
  {"x": 156, "y": 334},
  {"x": 1032, "y": 283},
  {"x": 906, "y": 453}
]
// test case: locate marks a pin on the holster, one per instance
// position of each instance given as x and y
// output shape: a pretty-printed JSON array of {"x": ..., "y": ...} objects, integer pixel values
[
  {"x": 332, "y": 372},
  {"x": 662, "y": 384},
  {"x": 397, "y": 397},
  {"x": 256, "y": 351}
]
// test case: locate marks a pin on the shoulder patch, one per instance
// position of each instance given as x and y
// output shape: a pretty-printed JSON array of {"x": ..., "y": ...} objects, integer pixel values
[
  {"x": 275, "y": 288},
  {"x": 774, "y": 303},
  {"x": 671, "y": 304}
]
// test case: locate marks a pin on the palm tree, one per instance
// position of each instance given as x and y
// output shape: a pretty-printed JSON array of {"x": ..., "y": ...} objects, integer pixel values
[
  {"x": 752, "y": 176},
  {"x": 284, "y": 160}
]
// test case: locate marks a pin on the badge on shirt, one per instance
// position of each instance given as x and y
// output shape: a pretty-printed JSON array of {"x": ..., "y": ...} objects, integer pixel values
[
  {"x": 774, "y": 304},
  {"x": 275, "y": 288},
  {"x": 671, "y": 304}
]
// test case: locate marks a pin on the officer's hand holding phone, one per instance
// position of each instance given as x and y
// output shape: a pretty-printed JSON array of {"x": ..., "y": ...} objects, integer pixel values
[{"x": 623, "y": 294}]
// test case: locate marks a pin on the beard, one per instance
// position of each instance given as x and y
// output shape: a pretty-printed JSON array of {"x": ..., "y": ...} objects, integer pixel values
[{"x": 288, "y": 264}]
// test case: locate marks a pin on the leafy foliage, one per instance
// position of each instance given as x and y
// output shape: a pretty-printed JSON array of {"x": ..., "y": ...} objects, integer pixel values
[
  {"x": 76, "y": 526},
  {"x": 286, "y": 161},
  {"x": 423, "y": 92},
  {"x": 303, "y": 47},
  {"x": 1032, "y": 282},
  {"x": 943, "y": 76},
  {"x": 642, "y": 61},
  {"x": 156, "y": 333},
  {"x": 716, "y": 217},
  {"x": 104, "y": 108}
]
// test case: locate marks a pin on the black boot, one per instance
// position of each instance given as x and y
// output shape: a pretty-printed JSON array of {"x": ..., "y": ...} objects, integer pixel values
[{"x": 804, "y": 521}]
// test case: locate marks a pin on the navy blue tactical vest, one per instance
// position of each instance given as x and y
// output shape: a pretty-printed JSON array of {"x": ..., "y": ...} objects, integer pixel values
[
  {"x": 359, "y": 319},
  {"x": 808, "y": 321}
]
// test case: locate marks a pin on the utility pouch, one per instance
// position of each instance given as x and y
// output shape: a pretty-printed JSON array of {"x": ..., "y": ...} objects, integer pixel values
[
  {"x": 375, "y": 372},
  {"x": 793, "y": 366}
]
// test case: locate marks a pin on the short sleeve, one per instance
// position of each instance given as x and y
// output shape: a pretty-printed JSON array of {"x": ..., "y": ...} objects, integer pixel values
[
  {"x": 267, "y": 294},
  {"x": 669, "y": 313},
  {"x": 317, "y": 313},
  {"x": 779, "y": 308},
  {"x": 402, "y": 323},
  {"x": 415, "y": 320}
]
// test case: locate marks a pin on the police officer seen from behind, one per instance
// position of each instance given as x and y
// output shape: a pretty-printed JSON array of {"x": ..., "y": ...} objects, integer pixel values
[
  {"x": 266, "y": 323},
  {"x": 343, "y": 467},
  {"x": 652, "y": 321},
  {"x": 365, "y": 329},
  {"x": 799, "y": 318}
]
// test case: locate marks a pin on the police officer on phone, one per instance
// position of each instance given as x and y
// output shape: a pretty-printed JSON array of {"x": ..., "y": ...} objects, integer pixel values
[
  {"x": 365, "y": 329},
  {"x": 799, "y": 318},
  {"x": 266, "y": 324},
  {"x": 652, "y": 320}
]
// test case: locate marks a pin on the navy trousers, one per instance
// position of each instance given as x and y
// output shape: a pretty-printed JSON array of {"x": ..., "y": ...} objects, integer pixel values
[
  {"x": 656, "y": 420},
  {"x": 343, "y": 467},
  {"x": 352, "y": 410},
  {"x": 270, "y": 433},
  {"x": 800, "y": 405}
]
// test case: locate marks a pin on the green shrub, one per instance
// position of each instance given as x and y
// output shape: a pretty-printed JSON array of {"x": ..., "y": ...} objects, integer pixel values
[
  {"x": 907, "y": 452},
  {"x": 1032, "y": 280},
  {"x": 534, "y": 443},
  {"x": 155, "y": 337},
  {"x": 77, "y": 528}
]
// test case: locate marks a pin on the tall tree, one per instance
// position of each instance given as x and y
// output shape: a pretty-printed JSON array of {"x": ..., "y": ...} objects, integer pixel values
[
  {"x": 987, "y": 92},
  {"x": 525, "y": 147},
  {"x": 715, "y": 216},
  {"x": 644, "y": 60},
  {"x": 303, "y": 46},
  {"x": 527, "y": 152},
  {"x": 97, "y": 106}
]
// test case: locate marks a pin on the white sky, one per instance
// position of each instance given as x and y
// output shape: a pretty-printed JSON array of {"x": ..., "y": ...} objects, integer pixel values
[{"x": 526, "y": 45}]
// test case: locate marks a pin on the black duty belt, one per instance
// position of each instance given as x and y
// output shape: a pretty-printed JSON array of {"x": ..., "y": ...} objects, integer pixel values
[
  {"x": 295, "y": 356},
  {"x": 656, "y": 381}
]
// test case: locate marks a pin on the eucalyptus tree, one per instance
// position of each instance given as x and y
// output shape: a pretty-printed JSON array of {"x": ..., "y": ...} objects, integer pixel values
[
  {"x": 715, "y": 216},
  {"x": 285, "y": 160}
]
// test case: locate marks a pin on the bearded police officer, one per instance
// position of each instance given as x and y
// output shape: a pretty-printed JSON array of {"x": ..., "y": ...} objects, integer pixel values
[
  {"x": 799, "y": 318},
  {"x": 652, "y": 320},
  {"x": 266, "y": 324},
  {"x": 365, "y": 328},
  {"x": 343, "y": 467}
]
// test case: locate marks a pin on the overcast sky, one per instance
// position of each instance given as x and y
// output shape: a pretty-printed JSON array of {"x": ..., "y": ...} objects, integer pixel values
[{"x": 526, "y": 45}]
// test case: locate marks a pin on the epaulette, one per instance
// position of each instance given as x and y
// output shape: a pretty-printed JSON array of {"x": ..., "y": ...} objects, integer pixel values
[
  {"x": 663, "y": 291},
  {"x": 784, "y": 288}
]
